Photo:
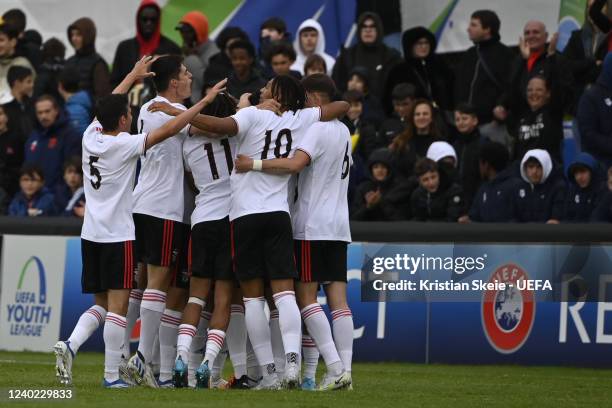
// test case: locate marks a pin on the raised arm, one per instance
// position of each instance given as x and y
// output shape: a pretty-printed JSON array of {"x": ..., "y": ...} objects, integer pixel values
[
  {"x": 208, "y": 124},
  {"x": 334, "y": 110},
  {"x": 291, "y": 165},
  {"x": 174, "y": 125},
  {"x": 140, "y": 71}
]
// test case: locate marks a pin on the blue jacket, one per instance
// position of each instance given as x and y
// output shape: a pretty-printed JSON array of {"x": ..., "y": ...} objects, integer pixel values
[
  {"x": 543, "y": 201},
  {"x": 595, "y": 116},
  {"x": 43, "y": 200},
  {"x": 79, "y": 108},
  {"x": 580, "y": 202},
  {"x": 492, "y": 202},
  {"x": 50, "y": 148},
  {"x": 65, "y": 201}
]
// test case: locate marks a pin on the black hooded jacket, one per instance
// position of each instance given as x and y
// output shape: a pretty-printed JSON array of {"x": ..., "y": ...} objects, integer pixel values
[
  {"x": 446, "y": 204},
  {"x": 395, "y": 194},
  {"x": 377, "y": 58},
  {"x": 581, "y": 202},
  {"x": 431, "y": 77}
]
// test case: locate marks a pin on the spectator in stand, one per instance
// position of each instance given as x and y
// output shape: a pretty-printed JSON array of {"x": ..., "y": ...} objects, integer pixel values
[
  {"x": 310, "y": 40},
  {"x": 424, "y": 69},
  {"x": 363, "y": 133},
  {"x": 369, "y": 52},
  {"x": 403, "y": 96},
  {"x": 540, "y": 58},
  {"x": 586, "y": 188},
  {"x": 603, "y": 211},
  {"x": 53, "y": 140},
  {"x": 34, "y": 199},
  {"x": 585, "y": 51},
  {"x": 437, "y": 198},
  {"x": 493, "y": 201},
  {"x": 281, "y": 57},
  {"x": 69, "y": 195},
  {"x": 244, "y": 78},
  {"x": 595, "y": 116},
  {"x": 383, "y": 197},
  {"x": 8, "y": 59},
  {"x": 445, "y": 157},
  {"x": 77, "y": 103},
  {"x": 541, "y": 126},
  {"x": 540, "y": 195},
  {"x": 483, "y": 75},
  {"x": 94, "y": 76},
  {"x": 600, "y": 19},
  {"x": 53, "y": 55},
  {"x": 27, "y": 46},
  {"x": 20, "y": 109},
  {"x": 315, "y": 64},
  {"x": 467, "y": 146},
  {"x": 412, "y": 143},
  {"x": 372, "y": 110},
  {"x": 11, "y": 159},
  {"x": 220, "y": 65},
  {"x": 272, "y": 32},
  {"x": 197, "y": 49}
]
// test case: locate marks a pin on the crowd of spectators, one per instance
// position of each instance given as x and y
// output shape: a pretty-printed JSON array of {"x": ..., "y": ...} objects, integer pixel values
[{"x": 476, "y": 140}]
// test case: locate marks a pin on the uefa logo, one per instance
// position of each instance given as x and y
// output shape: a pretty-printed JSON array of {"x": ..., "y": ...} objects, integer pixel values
[{"x": 508, "y": 314}]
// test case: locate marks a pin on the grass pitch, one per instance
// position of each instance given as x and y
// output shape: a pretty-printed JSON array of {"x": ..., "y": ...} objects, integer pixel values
[{"x": 394, "y": 385}]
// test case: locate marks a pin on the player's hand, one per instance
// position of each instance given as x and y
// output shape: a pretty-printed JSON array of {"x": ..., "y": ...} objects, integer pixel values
[
  {"x": 214, "y": 91},
  {"x": 243, "y": 164},
  {"x": 79, "y": 210},
  {"x": 244, "y": 101},
  {"x": 141, "y": 69},
  {"x": 464, "y": 219},
  {"x": 164, "y": 107},
  {"x": 271, "y": 105}
]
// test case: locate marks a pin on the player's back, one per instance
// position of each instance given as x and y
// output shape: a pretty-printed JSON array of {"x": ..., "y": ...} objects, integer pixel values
[
  {"x": 264, "y": 135},
  {"x": 321, "y": 211},
  {"x": 159, "y": 189},
  {"x": 109, "y": 169}
]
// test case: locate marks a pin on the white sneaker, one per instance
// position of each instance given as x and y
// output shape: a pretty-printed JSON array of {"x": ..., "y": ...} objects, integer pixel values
[
  {"x": 331, "y": 382},
  {"x": 291, "y": 379},
  {"x": 141, "y": 373},
  {"x": 269, "y": 382},
  {"x": 63, "y": 362}
]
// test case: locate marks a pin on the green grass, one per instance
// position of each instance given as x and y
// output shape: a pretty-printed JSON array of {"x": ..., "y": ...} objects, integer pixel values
[{"x": 396, "y": 385}]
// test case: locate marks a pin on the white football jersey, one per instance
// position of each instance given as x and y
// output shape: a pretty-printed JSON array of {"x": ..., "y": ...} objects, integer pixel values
[
  {"x": 210, "y": 161},
  {"x": 321, "y": 211},
  {"x": 264, "y": 135},
  {"x": 109, "y": 170},
  {"x": 159, "y": 192}
]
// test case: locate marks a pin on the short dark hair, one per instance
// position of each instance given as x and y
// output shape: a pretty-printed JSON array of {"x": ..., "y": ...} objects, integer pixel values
[
  {"x": 243, "y": 45},
  {"x": 466, "y": 109},
  {"x": 403, "y": 91},
  {"x": 69, "y": 78},
  {"x": 17, "y": 73},
  {"x": 314, "y": 59},
  {"x": 353, "y": 96},
  {"x": 424, "y": 165},
  {"x": 495, "y": 154},
  {"x": 166, "y": 68},
  {"x": 289, "y": 92},
  {"x": 281, "y": 48},
  {"x": 110, "y": 108},
  {"x": 53, "y": 49},
  {"x": 274, "y": 23},
  {"x": 74, "y": 162},
  {"x": 47, "y": 97},
  {"x": 320, "y": 83},
  {"x": 532, "y": 160},
  {"x": 488, "y": 19},
  {"x": 222, "y": 106},
  {"x": 16, "y": 18},
  {"x": 227, "y": 34},
  {"x": 8, "y": 30},
  {"x": 32, "y": 170}
]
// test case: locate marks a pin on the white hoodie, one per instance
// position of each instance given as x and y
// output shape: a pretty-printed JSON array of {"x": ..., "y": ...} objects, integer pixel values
[
  {"x": 439, "y": 150},
  {"x": 298, "y": 65},
  {"x": 543, "y": 157}
]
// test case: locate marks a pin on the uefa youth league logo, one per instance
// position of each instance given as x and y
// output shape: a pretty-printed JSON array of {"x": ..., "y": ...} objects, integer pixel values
[{"x": 508, "y": 314}]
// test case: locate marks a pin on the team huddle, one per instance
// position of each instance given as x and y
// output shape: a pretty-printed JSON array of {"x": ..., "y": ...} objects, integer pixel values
[{"x": 235, "y": 207}]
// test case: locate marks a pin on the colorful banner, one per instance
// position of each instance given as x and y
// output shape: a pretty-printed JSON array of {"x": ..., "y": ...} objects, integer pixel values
[{"x": 32, "y": 291}]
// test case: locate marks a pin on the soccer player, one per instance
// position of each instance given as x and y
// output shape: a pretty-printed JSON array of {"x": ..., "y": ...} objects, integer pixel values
[
  {"x": 158, "y": 215},
  {"x": 210, "y": 161},
  {"x": 110, "y": 154},
  {"x": 320, "y": 229}
]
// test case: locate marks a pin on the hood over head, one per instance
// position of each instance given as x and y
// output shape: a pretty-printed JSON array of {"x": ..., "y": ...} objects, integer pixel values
[
  {"x": 439, "y": 150},
  {"x": 383, "y": 156},
  {"x": 148, "y": 46},
  {"x": 199, "y": 22},
  {"x": 541, "y": 156},
  {"x": 310, "y": 23},
  {"x": 380, "y": 32},
  {"x": 87, "y": 28},
  {"x": 584, "y": 160},
  {"x": 410, "y": 37}
]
